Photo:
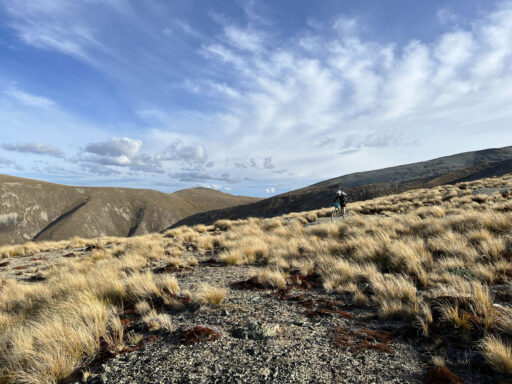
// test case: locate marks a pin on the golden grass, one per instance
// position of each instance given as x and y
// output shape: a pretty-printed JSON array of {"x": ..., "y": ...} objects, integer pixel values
[
  {"x": 402, "y": 254},
  {"x": 223, "y": 225},
  {"x": 497, "y": 353},
  {"x": 271, "y": 278},
  {"x": 51, "y": 328},
  {"x": 158, "y": 321},
  {"x": 211, "y": 295}
]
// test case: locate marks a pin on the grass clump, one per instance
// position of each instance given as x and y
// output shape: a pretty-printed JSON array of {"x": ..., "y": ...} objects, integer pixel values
[
  {"x": 497, "y": 353},
  {"x": 211, "y": 295},
  {"x": 223, "y": 225},
  {"x": 273, "y": 278}
]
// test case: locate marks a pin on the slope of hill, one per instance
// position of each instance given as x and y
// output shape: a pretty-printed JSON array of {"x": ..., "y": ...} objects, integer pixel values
[
  {"x": 36, "y": 210},
  {"x": 411, "y": 288},
  {"x": 367, "y": 185}
]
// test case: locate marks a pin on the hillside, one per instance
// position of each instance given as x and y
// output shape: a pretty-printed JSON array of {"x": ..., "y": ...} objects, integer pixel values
[
  {"x": 367, "y": 185},
  {"x": 411, "y": 288},
  {"x": 36, "y": 210}
]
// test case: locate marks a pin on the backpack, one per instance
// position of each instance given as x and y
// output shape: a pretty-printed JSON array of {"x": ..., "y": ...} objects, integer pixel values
[{"x": 343, "y": 198}]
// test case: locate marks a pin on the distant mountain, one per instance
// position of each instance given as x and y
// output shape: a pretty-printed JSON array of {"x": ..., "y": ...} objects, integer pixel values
[
  {"x": 36, "y": 210},
  {"x": 367, "y": 185}
]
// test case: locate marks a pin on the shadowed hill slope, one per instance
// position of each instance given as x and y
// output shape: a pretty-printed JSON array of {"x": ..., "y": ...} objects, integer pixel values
[
  {"x": 36, "y": 210},
  {"x": 367, "y": 185}
]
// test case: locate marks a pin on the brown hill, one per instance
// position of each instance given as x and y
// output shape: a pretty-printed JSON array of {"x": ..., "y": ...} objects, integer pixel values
[
  {"x": 36, "y": 210},
  {"x": 368, "y": 185}
]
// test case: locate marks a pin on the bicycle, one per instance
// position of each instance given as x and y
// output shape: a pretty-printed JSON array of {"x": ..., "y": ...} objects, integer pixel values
[{"x": 339, "y": 212}]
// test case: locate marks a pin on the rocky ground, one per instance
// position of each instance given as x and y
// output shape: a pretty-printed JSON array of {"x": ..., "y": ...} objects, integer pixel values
[{"x": 263, "y": 338}]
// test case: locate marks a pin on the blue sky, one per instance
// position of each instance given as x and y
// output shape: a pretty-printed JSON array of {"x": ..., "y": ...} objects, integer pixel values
[{"x": 250, "y": 97}]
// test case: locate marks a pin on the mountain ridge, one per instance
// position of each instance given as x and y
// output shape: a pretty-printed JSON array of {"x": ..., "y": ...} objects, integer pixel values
[
  {"x": 366, "y": 185},
  {"x": 39, "y": 210}
]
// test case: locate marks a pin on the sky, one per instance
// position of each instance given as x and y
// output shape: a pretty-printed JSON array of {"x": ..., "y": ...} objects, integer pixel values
[{"x": 246, "y": 96}]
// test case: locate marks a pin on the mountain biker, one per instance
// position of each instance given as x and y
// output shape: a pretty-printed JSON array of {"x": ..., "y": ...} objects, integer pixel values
[{"x": 340, "y": 201}]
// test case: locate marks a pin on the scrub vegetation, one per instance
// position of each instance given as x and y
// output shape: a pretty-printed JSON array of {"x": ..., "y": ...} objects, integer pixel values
[{"x": 439, "y": 259}]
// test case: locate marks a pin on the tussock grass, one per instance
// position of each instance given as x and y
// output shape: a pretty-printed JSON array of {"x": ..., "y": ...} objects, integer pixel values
[
  {"x": 497, "y": 353},
  {"x": 158, "y": 321},
  {"x": 222, "y": 225},
  {"x": 211, "y": 295},
  {"x": 51, "y": 328},
  {"x": 409, "y": 255},
  {"x": 168, "y": 284},
  {"x": 407, "y": 249},
  {"x": 273, "y": 278}
]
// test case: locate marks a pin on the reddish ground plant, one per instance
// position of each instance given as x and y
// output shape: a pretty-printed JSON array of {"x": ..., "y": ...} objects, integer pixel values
[
  {"x": 172, "y": 269},
  {"x": 252, "y": 284},
  {"x": 313, "y": 280},
  {"x": 4, "y": 264},
  {"x": 322, "y": 312},
  {"x": 72, "y": 254},
  {"x": 441, "y": 375},
  {"x": 320, "y": 307},
  {"x": 20, "y": 267},
  {"x": 106, "y": 353},
  {"x": 361, "y": 340},
  {"x": 198, "y": 334},
  {"x": 128, "y": 320},
  {"x": 151, "y": 338}
]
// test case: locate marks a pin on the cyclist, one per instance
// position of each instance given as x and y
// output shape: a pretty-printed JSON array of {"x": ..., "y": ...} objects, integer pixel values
[{"x": 340, "y": 201}]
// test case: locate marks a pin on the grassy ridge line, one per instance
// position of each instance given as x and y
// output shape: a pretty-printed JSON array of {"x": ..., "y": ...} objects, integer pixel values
[
  {"x": 429, "y": 257},
  {"x": 367, "y": 185}
]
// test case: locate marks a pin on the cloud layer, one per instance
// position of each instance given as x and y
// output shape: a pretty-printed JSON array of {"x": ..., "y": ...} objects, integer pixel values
[
  {"x": 248, "y": 105},
  {"x": 34, "y": 148}
]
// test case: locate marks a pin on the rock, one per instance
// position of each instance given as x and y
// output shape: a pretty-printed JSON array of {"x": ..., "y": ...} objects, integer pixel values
[
  {"x": 256, "y": 331},
  {"x": 193, "y": 306}
]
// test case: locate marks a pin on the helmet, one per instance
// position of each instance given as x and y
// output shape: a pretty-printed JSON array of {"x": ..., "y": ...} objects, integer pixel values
[{"x": 339, "y": 192}]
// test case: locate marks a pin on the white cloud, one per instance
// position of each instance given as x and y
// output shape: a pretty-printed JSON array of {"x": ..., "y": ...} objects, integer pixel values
[
  {"x": 270, "y": 190},
  {"x": 122, "y": 148},
  {"x": 191, "y": 153},
  {"x": 179, "y": 26},
  {"x": 34, "y": 148},
  {"x": 201, "y": 176},
  {"x": 345, "y": 25},
  {"x": 371, "y": 96},
  {"x": 28, "y": 99},
  {"x": 51, "y": 25},
  {"x": 445, "y": 16},
  {"x": 5, "y": 161},
  {"x": 248, "y": 40},
  {"x": 267, "y": 163},
  {"x": 120, "y": 152},
  {"x": 326, "y": 141},
  {"x": 408, "y": 84}
]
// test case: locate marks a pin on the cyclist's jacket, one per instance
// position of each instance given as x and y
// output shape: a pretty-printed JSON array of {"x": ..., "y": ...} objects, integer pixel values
[{"x": 341, "y": 199}]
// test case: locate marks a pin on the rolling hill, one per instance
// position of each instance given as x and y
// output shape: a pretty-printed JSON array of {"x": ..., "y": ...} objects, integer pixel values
[
  {"x": 36, "y": 210},
  {"x": 367, "y": 185}
]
